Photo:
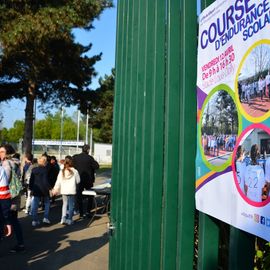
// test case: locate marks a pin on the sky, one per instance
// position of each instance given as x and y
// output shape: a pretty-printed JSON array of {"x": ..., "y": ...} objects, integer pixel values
[
  {"x": 103, "y": 39},
  {"x": 257, "y": 60}
]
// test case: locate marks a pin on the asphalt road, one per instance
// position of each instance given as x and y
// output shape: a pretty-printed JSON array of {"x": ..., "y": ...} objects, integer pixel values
[{"x": 78, "y": 246}]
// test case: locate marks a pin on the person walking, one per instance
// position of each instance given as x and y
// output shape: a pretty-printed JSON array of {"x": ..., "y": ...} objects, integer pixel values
[
  {"x": 53, "y": 173},
  {"x": 86, "y": 165},
  {"x": 26, "y": 172},
  {"x": 11, "y": 164},
  {"x": 5, "y": 204},
  {"x": 267, "y": 83},
  {"x": 40, "y": 188},
  {"x": 66, "y": 183},
  {"x": 27, "y": 176},
  {"x": 261, "y": 83}
]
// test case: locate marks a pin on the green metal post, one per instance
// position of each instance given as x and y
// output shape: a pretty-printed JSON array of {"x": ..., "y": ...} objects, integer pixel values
[
  {"x": 187, "y": 124},
  {"x": 116, "y": 201},
  {"x": 208, "y": 243},
  {"x": 138, "y": 138},
  {"x": 171, "y": 149},
  {"x": 208, "y": 229},
  {"x": 242, "y": 250}
]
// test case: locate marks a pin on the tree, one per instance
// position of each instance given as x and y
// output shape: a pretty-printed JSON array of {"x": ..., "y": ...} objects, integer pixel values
[
  {"x": 101, "y": 109},
  {"x": 47, "y": 128},
  {"x": 227, "y": 112},
  {"x": 40, "y": 57},
  {"x": 205, "y": 121},
  {"x": 220, "y": 116},
  {"x": 261, "y": 59},
  {"x": 13, "y": 134}
]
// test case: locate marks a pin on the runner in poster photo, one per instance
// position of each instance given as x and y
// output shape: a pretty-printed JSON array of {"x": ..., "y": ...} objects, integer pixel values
[
  {"x": 267, "y": 174},
  {"x": 254, "y": 177},
  {"x": 240, "y": 166}
]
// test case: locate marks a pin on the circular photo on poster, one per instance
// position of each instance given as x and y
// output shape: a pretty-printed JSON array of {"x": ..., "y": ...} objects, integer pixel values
[
  {"x": 219, "y": 128},
  {"x": 251, "y": 164},
  {"x": 253, "y": 83}
]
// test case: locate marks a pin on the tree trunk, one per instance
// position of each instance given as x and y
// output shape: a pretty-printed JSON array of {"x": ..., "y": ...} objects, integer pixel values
[{"x": 29, "y": 117}]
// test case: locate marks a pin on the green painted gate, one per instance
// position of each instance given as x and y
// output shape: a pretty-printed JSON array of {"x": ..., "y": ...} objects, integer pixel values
[{"x": 154, "y": 142}]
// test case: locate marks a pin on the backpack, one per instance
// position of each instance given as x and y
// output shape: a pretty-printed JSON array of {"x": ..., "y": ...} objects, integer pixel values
[{"x": 15, "y": 184}]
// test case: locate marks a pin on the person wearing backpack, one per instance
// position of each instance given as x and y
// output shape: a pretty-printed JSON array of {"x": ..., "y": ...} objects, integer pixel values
[{"x": 11, "y": 165}]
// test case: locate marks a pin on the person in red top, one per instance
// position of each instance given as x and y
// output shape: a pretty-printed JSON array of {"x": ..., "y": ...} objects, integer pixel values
[
  {"x": 5, "y": 204},
  {"x": 9, "y": 161}
]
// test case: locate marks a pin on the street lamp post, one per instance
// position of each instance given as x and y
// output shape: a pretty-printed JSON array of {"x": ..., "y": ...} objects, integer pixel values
[
  {"x": 87, "y": 123},
  {"x": 61, "y": 133},
  {"x": 91, "y": 141},
  {"x": 34, "y": 122},
  {"x": 78, "y": 129}
]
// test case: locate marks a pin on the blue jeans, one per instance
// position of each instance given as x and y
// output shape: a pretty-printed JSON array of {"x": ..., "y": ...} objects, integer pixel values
[
  {"x": 34, "y": 207},
  {"x": 68, "y": 206}
]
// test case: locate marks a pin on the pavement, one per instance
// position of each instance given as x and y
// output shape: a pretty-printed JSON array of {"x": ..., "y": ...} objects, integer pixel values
[
  {"x": 219, "y": 160},
  {"x": 222, "y": 157},
  {"x": 257, "y": 107},
  {"x": 78, "y": 246}
]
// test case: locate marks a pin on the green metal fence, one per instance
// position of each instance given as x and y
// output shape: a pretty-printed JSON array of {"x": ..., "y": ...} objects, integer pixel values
[{"x": 154, "y": 145}]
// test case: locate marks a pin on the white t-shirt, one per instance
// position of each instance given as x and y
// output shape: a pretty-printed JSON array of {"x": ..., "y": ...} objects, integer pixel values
[
  {"x": 66, "y": 184},
  {"x": 240, "y": 172},
  {"x": 261, "y": 84},
  {"x": 267, "y": 79},
  {"x": 267, "y": 170},
  {"x": 254, "y": 180}
]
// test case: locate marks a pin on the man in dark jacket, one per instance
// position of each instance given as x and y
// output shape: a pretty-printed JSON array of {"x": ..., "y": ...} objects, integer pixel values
[
  {"x": 86, "y": 166},
  {"x": 40, "y": 187}
]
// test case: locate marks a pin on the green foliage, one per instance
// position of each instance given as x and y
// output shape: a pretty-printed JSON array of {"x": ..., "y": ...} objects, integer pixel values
[
  {"x": 13, "y": 134},
  {"x": 48, "y": 128},
  {"x": 101, "y": 109},
  {"x": 262, "y": 255},
  {"x": 40, "y": 57},
  {"x": 220, "y": 116},
  {"x": 40, "y": 21}
]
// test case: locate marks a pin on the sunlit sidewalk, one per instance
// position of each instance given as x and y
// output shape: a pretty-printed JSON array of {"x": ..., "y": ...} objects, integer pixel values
[
  {"x": 57, "y": 246},
  {"x": 256, "y": 106}
]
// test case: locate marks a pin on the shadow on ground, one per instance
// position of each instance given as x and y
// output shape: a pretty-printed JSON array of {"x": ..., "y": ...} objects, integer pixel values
[{"x": 52, "y": 247}]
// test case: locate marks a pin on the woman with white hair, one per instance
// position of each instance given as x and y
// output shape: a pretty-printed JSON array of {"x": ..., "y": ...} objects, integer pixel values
[{"x": 40, "y": 188}]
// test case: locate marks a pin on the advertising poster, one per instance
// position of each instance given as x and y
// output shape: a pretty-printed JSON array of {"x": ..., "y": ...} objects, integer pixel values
[{"x": 233, "y": 97}]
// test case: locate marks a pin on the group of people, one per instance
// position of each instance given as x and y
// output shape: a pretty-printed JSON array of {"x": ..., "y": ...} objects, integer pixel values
[
  {"x": 253, "y": 173},
  {"x": 249, "y": 89},
  {"x": 212, "y": 144},
  {"x": 44, "y": 179}
]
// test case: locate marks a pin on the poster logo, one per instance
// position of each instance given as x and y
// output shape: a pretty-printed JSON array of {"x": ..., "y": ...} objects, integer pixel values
[{"x": 256, "y": 218}]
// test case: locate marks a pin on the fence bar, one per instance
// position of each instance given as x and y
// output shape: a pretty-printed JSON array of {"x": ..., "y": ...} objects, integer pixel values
[
  {"x": 242, "y": 245},
  {"x": 187, "y": 123},
  {"x": 208, "y": 243}
]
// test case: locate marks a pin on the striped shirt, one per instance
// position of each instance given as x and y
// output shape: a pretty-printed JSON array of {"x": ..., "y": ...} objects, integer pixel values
[{"x": 4, "y": 188}]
